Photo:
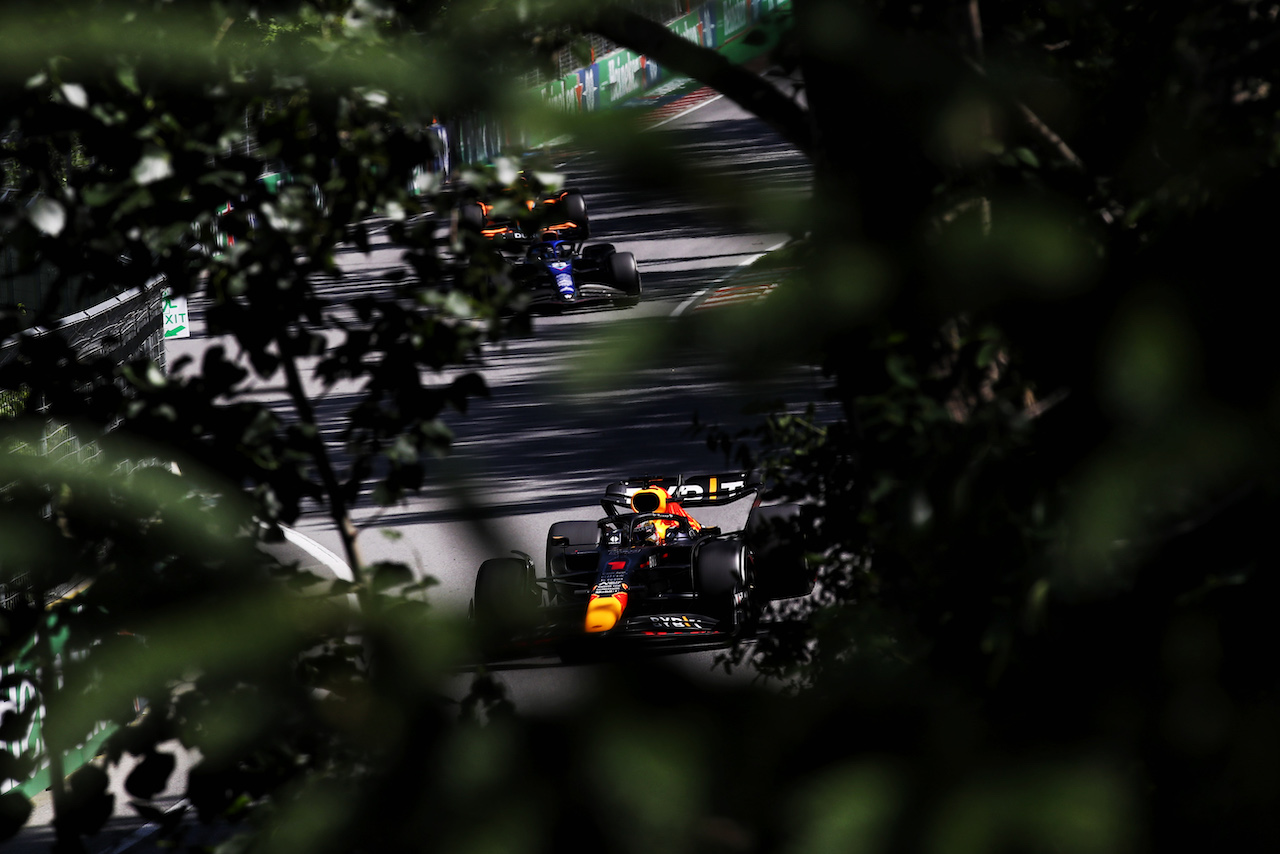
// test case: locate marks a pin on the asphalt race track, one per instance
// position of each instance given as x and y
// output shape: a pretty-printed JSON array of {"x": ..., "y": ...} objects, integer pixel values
[{"x": 542, "y": 448}]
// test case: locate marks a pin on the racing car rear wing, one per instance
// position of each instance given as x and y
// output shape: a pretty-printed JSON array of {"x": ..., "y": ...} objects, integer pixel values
[{"x": 697, "y": 490}]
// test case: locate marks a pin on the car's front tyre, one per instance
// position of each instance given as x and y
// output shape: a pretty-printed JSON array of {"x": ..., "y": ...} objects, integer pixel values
[
  {"x": 720, "y": 580},
  {"x": 506, "y": 599},
  {"x": 626, "y": 276},
  {"x": 777, "y": 546}
]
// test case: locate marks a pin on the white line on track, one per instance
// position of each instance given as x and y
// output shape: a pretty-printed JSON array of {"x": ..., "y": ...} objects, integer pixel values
[
  {"x": 684, "y": 113},
  {"x": 693, "y": 300},
  {"x": 335, "y": 564}
]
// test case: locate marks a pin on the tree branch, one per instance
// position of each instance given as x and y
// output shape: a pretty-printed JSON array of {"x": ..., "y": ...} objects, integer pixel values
[
  {"x": 745, "y": 88},
  {"x": 1034, "y": 122},
  {"x": 338, "y": 509}
]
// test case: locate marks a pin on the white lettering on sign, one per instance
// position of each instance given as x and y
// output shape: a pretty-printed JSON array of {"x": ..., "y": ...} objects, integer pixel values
[
  {"x": 671, "y": 622},
  {"x": 735, "y": 16},
  {"x": 694, "y": 490},
  {"x": 587, "y": 78},
  {"x": 690, "y": 31},
  {"x": 562, "y": 97},
  {"x": 624, "y": 74}
]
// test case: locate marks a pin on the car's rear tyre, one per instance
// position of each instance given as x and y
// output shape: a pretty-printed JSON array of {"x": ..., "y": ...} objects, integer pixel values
[
  {"x": 781, "y": 570},
  {"x": 506, "y": 599},
  {"x": 719, "y": 575},
  {"x": 471, "y": 217},
  {"x": 573, "y": 208},
  {"x": 626, "y": 276}
]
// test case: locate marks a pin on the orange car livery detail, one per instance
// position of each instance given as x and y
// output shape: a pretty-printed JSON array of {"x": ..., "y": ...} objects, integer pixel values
[{"x": 608, "y": 598}]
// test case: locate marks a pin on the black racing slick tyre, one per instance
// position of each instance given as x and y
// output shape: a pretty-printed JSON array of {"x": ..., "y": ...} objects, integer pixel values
[
  {"x": 719, "y": 575},
  {"x": 626, "y": 276},
  {"x": 471, "y": 217},
  {"x": 506, "y": 599},
  {"x": 573, "y": 208},
  {"x": 781, "y": 570}
]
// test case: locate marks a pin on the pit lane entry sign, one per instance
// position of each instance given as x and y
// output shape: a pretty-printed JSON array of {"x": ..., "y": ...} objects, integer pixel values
[{"x": 175, "y": 316}]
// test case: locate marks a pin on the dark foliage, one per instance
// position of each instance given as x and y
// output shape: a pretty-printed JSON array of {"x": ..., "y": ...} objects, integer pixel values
[{"x": 1029, "y": 268}]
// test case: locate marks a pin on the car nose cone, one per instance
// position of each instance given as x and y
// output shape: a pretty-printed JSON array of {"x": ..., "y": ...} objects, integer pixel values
[{"x": 603, "y": 612}]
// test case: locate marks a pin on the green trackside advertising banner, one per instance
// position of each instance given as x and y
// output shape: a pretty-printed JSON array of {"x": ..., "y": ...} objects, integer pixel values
[
  {"x": 563, "y": 94},
  {"x": 553, "y": 94},
  {"x": 623, "y": 75},
  {"x": 722, "y": 22},
  {"x": 734, "y": 18},
  {"x": 689, "y": 27}
]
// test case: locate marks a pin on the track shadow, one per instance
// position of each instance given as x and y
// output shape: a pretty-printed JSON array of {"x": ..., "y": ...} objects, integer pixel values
[{"x": 542, "y": 440}]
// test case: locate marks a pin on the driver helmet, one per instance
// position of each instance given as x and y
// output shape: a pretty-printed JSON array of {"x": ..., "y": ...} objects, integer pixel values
[
  {"x": 656, "y": 532},
  {"x": 651, "y": 499},
  {"x": 654, "y": 499}
]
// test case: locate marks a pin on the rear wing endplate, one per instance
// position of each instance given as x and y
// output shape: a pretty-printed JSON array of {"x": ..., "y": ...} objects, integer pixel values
[{"x": 698, "y": 490}]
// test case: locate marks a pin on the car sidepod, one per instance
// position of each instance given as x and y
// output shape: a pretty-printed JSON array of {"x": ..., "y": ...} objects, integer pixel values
[{"x": 572, "y": 560}]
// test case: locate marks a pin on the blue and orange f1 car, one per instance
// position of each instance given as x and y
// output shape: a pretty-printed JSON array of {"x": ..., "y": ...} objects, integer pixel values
[{"x": 646, "y": 572}]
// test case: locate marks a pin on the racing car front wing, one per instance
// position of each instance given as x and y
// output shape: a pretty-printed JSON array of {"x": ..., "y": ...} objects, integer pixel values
[
  {"x": 562, "y": 634},
  {"x": 587, "y": 292}
]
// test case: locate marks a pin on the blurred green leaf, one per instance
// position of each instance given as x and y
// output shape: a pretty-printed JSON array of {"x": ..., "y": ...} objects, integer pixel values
[
  {"x": 1071, "y": 807},
  {"x": 849, "y": 807}
]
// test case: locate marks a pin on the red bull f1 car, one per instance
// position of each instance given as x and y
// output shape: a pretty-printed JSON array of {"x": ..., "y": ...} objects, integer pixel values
[
  {"x": 647, "y": 572},
  {"x": 559, "y": 273}
]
